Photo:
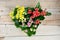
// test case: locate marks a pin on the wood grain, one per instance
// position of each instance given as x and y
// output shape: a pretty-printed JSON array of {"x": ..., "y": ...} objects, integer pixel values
[
  {"x": 49, "y": 20},
  {"x": 11, "y": 30},
  {"x": 2, "y": 30},
  {"x": 34, "y": 38},
  {"x": 48, "y": 30},
  {"x": 44, "y": 4}
]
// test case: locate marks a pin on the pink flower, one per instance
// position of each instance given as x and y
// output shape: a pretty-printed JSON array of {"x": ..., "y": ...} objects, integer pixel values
[{"x": 30, "y": 22}]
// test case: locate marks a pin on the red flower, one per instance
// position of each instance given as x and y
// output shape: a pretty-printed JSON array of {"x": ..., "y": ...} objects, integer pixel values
[
  {"x": 36, "y": 13},
  {"x": 37, "y": 21},
  {"x": 43, "y": 13},
  {"x": 29, "y": 11}
]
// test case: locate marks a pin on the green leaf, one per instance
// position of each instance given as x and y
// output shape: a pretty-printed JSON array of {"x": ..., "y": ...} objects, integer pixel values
[
  {"x": 14, "y": 19},
  {"x": 27, "y": 17},
  {"x": 38, "y": 6},
  {"x": 34, "y": 32},
  {"x": 26, "y": 9},
  {"x": 29, "y": 33},
  {"x": 23, "y": 28},
  {"x": 41, "y": 17},
  {"x": 17, "y": 23},
  {"x": 32, "y": 26},
  {"x": 15, "y": 11},
  {"x": 48, "y": 13},
  {"x": 32, "y": 8}
]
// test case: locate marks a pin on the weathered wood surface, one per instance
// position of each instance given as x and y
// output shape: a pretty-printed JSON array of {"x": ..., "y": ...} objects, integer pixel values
[
  {"x": 34, "y": 38},
  {"x": 2, "y": 30},
  {"x": 49, "y": 20},
  {"x": 48, "y": 30},
  {"x": 11, "y": 30}
]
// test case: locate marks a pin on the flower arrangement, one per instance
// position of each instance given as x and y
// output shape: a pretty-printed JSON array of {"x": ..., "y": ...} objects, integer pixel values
[{"x": 28, "y": 18}]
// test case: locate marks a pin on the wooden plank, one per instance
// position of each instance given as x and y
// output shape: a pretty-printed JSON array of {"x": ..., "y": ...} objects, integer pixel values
[
  {"x": 48, "y": 0},
  {"x": 6, "y": 20},
  {"x": 2, "y": 3},
  {"x": 35, "y": 0},
  {"x": 5, "y": 7},
  {"x": 3, "y": 10},
  {"x": 49, "y": 20},
  {"x": 2, "y": 30},
  {"x": 34, "y": 38},
  {"x": 2, "y": 7},
  {"x": 6, "y": 11},
  {"x": 11, "y": 30},
  {"x": 48, "y": 30},
  {"x": 33, "y": 3}
]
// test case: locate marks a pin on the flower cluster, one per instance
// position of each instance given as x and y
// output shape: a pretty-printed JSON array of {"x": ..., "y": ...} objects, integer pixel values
[
  {"x": 28, "y": 18},
  {"x": 35, "y": 13}
]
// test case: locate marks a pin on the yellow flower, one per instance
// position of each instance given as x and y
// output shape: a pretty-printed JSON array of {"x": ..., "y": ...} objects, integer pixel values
[
  {"x": 18, "y": 7},
  {"x": 21, "y": 17},
  {"x": 17, "y": 16},
  {"x": 11, "y": 15},
  {"x": 22, "y": 8},
  {"x": 20, "y": 12}
]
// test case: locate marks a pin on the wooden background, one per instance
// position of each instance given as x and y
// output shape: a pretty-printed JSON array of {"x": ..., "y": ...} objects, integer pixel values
[{"x": 48, "y": 30}]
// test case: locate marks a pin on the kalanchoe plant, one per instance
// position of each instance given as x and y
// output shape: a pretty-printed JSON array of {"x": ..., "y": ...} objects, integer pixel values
[{"x": 28, "y": 18}]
